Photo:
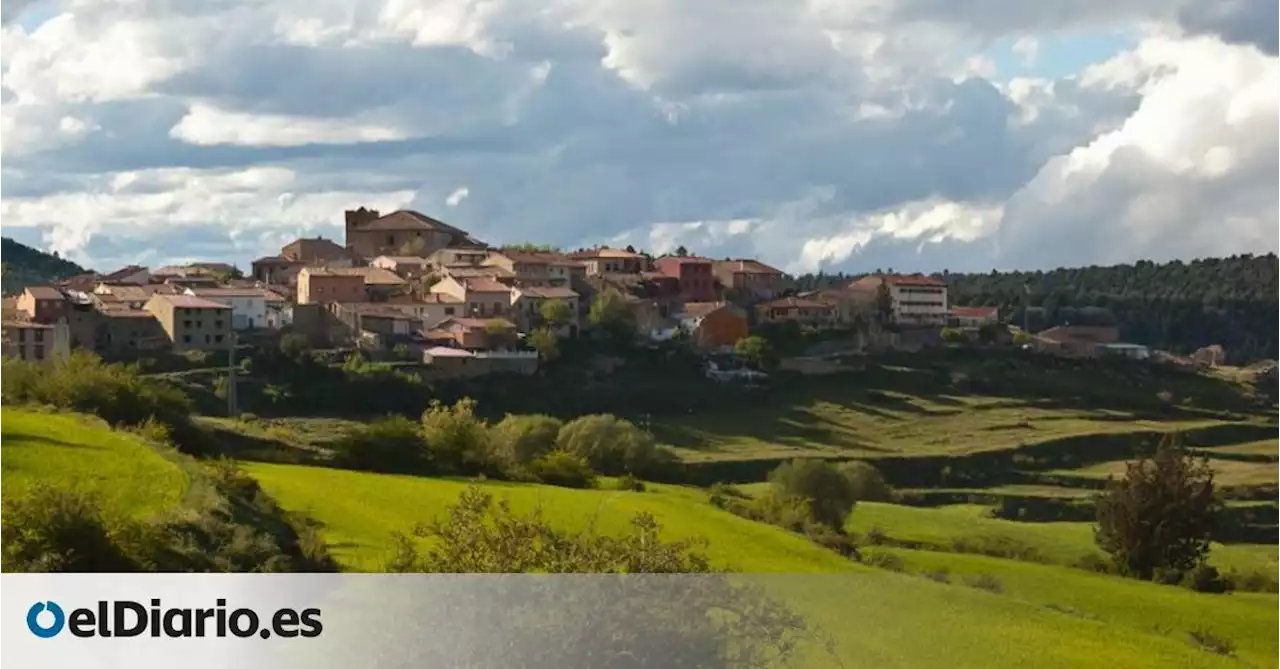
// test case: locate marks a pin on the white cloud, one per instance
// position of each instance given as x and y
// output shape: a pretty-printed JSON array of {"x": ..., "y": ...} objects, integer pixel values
[
  {"x": 205, "y": 125},
  {"x": 1027, "y": 49},
  {"x": 818, "y": 134},
  {"x": 456, "y": 197}
]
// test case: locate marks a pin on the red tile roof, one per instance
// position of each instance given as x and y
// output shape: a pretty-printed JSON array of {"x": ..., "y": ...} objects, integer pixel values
[{"x": 701, "y": 309}]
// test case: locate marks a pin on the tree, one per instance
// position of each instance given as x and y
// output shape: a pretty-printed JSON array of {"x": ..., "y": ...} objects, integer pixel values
[
  {"x": 498, "y": 333},
  {"x": 867, "y": 482},
  {"x": 294, "y": 347},
  {"x": 545, "y": 342},
  {"x": 827, "y": 492},
  {"x": 528, "y": 436},
  {"x": 630, "y": 249},
  {"x": 884, "y": 302},
  {"x": 682, "y": 251},
  {"x": 609, "y": 312},
  {"x": 457, "y": 438},
  {"x": 613, "y": 446},
  {"x": 555, "y": 313},
  {"x": 756, "y": 350},
  {"x": 706, "y": 620},
  {"x": 954, "y": 336},
  {"x": 1160, "y": 516}
]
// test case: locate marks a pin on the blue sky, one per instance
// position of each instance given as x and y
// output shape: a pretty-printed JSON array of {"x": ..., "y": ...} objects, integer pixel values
[{"x": 1059, "y": 55}]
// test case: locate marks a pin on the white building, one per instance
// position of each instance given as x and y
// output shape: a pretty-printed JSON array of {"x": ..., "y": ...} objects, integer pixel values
[
  {"x": 917, "y": 299},
  {"x": 248, "y": 305}
]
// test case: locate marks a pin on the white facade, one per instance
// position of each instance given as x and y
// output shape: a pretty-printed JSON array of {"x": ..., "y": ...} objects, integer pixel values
[
  {"x": 248, "y": 306},
  {"x": 916, "y": 304}
]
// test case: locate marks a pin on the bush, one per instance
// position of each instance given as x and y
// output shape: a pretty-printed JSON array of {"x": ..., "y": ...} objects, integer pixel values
[
  {"x": 720, "y": 494},
  {"x": 1209, "y": 642},
  {"x": 986, "y": 582},
  {"x": 998, "y": 546},
  {"x": 954, "y": 336},
  {"x": 459, "y": 441},
  {"x": 1254, "y": 581},
  {"x": 392, "y": 444},
  {"x": 562, "y": 468},
  {"x": 877, "y": 536},
  {"x": 941, "y": 575},
  {"x": 1094, "y": 563},
  {"x": 828, "y": 493},
  {"x": 1205, "y": 578},
  {"x": 630, "y": 483},
  {"x": 49, "y": 529},
  {"x": 883, "y": 561},
  {"x": 526, "y": 437},
  {"x": 866, "y": 482},
  {"x": 614, "y": 446}
]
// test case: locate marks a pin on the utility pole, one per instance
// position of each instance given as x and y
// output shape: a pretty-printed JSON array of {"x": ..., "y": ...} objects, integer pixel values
[
  {"x": 1026, "y": 308},
  {"x": 232, "y": 410}
]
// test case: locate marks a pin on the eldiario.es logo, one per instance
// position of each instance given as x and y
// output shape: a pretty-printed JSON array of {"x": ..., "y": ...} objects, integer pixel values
[{"x": 123, "y": 618}]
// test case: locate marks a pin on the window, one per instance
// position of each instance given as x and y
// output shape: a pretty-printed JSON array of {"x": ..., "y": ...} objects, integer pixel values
[
  {"x": 22, "y": 335},
  {"x": 448, "y": 311},
  {"x": 39, "y": 335},
  {"x": 38, "y": 352},
  {"x": 218, "y": 339},
  {"x": 206, "y": 339},
  {"x": 186, "y": 324},
  {"x": 217, "y": 325},
  {"x": 391, "y": 239},
  {"x": 186, "y": 339}
]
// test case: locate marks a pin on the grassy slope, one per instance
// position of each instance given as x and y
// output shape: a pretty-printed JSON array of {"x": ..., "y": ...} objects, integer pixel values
[
  {"x": 360, "y": 511},
  {"x": 895, "y": 424},
  {"x": 1226, "y": 472},
  {"x": 1248, "y": 620},
  {"x": 877, "y": 618},
  {"x": 1062, "y": 543},
  {"x": 81, "y": 453}
]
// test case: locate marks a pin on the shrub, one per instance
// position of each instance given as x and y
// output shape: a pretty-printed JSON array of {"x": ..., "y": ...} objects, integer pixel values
[
  {"x": 458, "y": 440},
  {"x": 392, "y": 444},
  {"x": 986, "y": 582},
  {"x": 954, "y": 336},
  {"x": 153, "y": 431},
  {"x": 630, "y": 483},
  {"x": 1205, "y": 578},
  {"x": 645, "y": 622},
  {"x": 1161, "y": 514},
  {"x": 1094, "y": 563},
  {"x": 720, "y": 494},
  {"x": 876, "y": 536},
  {"x": 866, "y": 482},
  {"x": 562, "y": 468},
  {"x": 49, "y": 529},
  {"x": 1254, "y": 581},
  {"x": 883, "y": 560},
  {"x": 998, "y": 546},
  {"x": 828, "y": 493},
  {"x": 526, "y": 437},
  {"x": 196, "y": 356},
  {"x": 941, "y": 575},
  {"x": 1209, "y": 642},
  {"x": 614, "y": 446}
]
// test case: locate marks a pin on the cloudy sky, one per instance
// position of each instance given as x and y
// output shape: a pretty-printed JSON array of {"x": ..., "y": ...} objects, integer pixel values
[{"x": 834, "y": 134}]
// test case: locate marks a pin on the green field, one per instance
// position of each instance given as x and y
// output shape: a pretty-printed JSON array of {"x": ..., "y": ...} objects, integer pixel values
[
  {"x": 1267, "y": 447},
  {"x": 876, "y": 616},
  {"x": 1225, "y": 472},
  {"x": 890, "y": 423},
  {"x": 359, "y": 512},
  {"x": 81, "y": 453}
]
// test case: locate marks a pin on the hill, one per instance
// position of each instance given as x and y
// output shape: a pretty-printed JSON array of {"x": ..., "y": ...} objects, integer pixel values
[
  {"x": 82, "y": 453},
  {"x": 24, "y": 266},
  {"x": 1178, "y": 306},
  {"x": 1041, "y": 615}
]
